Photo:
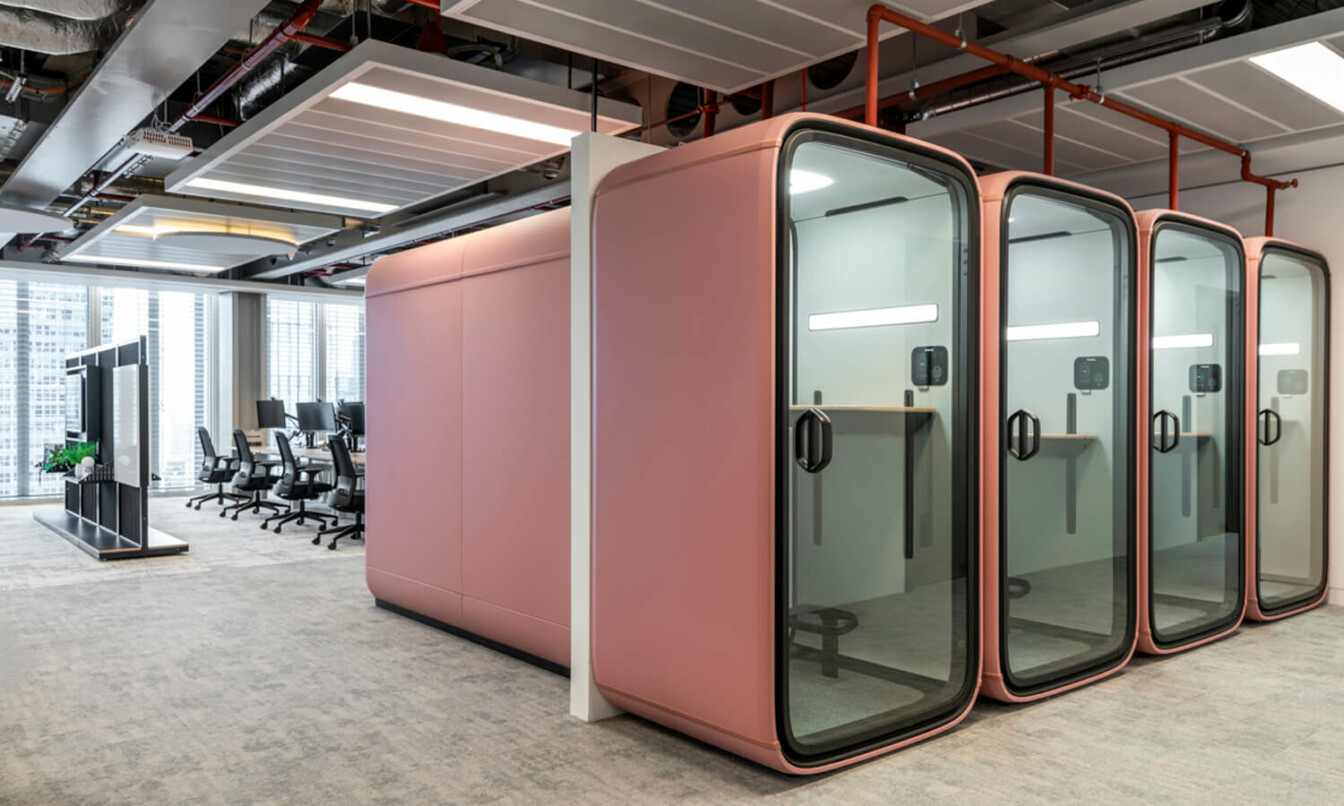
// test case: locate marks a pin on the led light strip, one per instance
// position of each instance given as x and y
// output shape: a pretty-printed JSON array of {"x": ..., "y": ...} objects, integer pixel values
[
  {"x": 1287, "y": 348},
  {"x": 245, "y": 189},
  {"x": 874, "y": 317},
  {"x": 1186, "y": 340},
  {"x": 1062, "y": 330},
  {"x": 442, "y": 111},
  {"x": 144, "y": 264}
]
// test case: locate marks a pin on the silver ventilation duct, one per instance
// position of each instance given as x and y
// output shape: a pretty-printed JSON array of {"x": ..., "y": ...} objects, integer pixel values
[
  {"x": 75, "y": 9},
  {"x": 45, "y": 33}
]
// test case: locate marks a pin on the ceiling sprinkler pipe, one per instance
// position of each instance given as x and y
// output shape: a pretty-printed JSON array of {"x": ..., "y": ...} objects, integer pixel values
[{"x": 878, "y": 13}]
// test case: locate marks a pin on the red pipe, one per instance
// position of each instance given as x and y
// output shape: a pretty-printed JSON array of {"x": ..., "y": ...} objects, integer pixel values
[
  {"x": 768, "y": 99},
  {"x": 803, "y": 75},
  {"x": 322, "y": 42},
  {"x": 434, "y": 4},
  {"x": 1269, "y": 211},
  {"x": 711, "y": 111},
  {"x": 213, "y": 119},
  {"x": 1048, "y": 148},
  {"x": 1080, "y": 92},
  {"x": 927, "y": 90},
  {"x": 1174, "y": 171}
]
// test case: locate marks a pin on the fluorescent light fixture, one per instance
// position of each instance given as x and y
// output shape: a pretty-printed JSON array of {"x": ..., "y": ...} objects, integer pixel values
[
  {"x": 1288, "y": 348},
  {"x": 144, "y": 264},
  {"x": 420, "y": 106},
  {"x": 805, "y": 181},
  {"x": 874, "y": 317},
  {"x": 1185, "y": 340},
  {"x": 1062, "y": 330},
  {"x": 262, "y": 191},
  {"x": 1313, "y": 68}
]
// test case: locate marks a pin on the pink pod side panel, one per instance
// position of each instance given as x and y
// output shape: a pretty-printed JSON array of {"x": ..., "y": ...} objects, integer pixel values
[
  {"x": 1255, "y": 249},
  {"x": 684, "y": 441},
  {"x": 1148, "y": 221},
  {"x": 468, "y": 356},
  {"x": 994, "y": 188}
]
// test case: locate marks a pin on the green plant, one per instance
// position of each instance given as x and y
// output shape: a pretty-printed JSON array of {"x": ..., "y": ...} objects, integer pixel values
[{"x": 61, "y": 459}]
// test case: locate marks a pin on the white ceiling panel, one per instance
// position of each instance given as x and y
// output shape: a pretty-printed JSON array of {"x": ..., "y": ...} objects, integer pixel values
[
  {"x": 1212, "y": 88},
  {"x": 1182, "y": 100},
  {"x": 1267, "y": 95},
  {"x": 132, "y": 236},
  {"x": 725, "y": 46},
  {"x": 385, "y": 127}
]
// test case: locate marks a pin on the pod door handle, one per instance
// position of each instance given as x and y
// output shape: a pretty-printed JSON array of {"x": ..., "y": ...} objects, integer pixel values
[
  {"x": 812, "y": 441},
  {"x": 1271, "y": 427},
  {"x": 1022, "y": 449},
  {"x": 1168, "y": 431}
]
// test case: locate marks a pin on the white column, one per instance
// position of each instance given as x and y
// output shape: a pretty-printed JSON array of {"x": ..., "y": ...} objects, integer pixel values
[{"x": 593, "y": 156}]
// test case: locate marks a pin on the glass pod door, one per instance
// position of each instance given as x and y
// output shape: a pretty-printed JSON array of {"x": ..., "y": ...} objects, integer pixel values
[
  {"x": 1195, "y": 376},
  {"x": 1293, "y": 398},
  {"x": 1067, "y": 524},
  {"x": 876, "y": 471}
]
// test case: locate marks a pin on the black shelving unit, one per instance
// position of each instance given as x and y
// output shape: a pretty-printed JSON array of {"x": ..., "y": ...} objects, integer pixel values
[{"x": 107, "y": 514}]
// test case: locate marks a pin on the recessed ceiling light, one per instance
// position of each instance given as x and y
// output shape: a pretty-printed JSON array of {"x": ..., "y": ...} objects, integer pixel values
[
  {"x": 144, "y": 264},
  {"x": 1287, "y": 348},
  {"x": 1313, "y": 68},
  {"x": 420, "y": 106},
  {"x": 874, "y": 317},
  {"x": 804, "y": 181},
  {"x": 1184, "y": 340},
  {"x": 1063, "y": 330},
  {"x": 245, "y": 189}
]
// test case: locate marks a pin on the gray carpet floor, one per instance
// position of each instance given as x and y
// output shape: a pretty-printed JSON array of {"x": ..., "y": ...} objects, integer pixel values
[{"x": 255, "y": 669}]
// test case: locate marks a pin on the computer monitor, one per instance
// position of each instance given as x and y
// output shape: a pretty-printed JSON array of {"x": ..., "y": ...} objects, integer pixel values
[
  {"x": 270, "y": 414},
  {"x": 354, "y": 412},
  {"x": 317, "y": 417}
]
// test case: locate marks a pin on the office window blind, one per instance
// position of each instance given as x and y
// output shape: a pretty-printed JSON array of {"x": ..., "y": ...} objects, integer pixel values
[
  {"x": 291, "y": 351},
  {"x": 40, "y": 323},
  {"x": 343, "y": 329},
  {"x": 179, "y": 329}
]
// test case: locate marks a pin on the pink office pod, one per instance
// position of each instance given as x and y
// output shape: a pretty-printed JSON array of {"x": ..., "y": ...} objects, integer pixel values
[
  {"x": 1191, "y": 554},
  {"x": 1288, "y": 320},
  {"x": 468, "y": 400},
  {"x": 1062, "y": 396},
  {"x": 786, "y": 417}
]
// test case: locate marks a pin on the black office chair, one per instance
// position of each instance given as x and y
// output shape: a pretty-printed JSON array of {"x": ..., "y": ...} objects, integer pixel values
[
  {"x": 253, "y": 477},
  {"x": 216, "y": 470},
  {"x": 345, "y": 496},
  {"x": 296, "y": 484}
]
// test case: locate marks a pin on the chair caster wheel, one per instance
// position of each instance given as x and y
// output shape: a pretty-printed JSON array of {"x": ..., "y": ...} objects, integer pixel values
[
  {"x": 332, "y": 545},
  {"x": 317, "y": 541},
  {"x": 263, "y": 526},
  {"x": 223, "y": 514},
  {"x": 276, "y": 530},
  {"x": 300, "y": 521},
  {"x": 235, "y": 517},
  {"x": 189, "y": 503},
  {"x": 198, "y": 507}
]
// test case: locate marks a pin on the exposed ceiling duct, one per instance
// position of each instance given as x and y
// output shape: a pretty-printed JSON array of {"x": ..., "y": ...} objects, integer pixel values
[
  {"x": 76, "y": 9},
  {"x": 55, "y": 35}
]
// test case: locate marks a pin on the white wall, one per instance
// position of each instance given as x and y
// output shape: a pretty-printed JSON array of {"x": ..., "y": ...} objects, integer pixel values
[{"x": 1309, "y": 215}]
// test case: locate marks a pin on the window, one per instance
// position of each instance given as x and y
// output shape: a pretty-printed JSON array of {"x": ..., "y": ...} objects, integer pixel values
[
  {"x": 291, "y": 351},
  {"x": 314, "y": 351},
  {"x": 40, "y": 323},
  {"x": 343, "y": 329},
  {"x": 179, "y": 327}
]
